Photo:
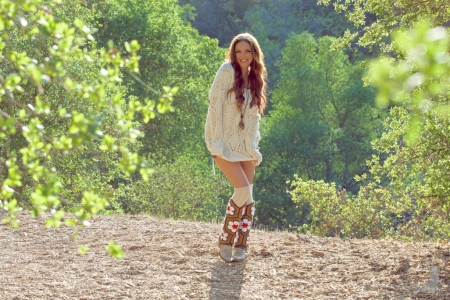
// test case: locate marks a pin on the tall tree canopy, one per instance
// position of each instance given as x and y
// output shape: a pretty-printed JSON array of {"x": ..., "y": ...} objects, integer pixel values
[
  {"x": 406, "y": 188},
  {"x": 271, "y": 22},
  {"x": 172, "y": 53},
  {"x": 292, "y": 16},
  {"x": 220, "y": 19},
  {"x": 322, "y": 120},
  {"x": 376, "y": 20},
  {"x": 67, "y": 128}
]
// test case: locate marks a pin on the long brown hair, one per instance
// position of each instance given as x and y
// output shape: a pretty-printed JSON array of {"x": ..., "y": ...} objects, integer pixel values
[{"x": 256, "y": 75}]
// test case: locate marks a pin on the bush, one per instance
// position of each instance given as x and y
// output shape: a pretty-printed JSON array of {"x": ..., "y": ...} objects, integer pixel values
[{"x": 183, "y": 189}]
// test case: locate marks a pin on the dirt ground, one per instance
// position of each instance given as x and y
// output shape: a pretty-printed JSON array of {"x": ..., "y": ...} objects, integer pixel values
[{"x": 167, "y": 259}]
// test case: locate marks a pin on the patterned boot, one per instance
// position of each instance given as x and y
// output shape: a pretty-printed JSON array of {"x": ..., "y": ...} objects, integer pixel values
[
  {"x": 231, "y": 223},
  {"x": 242, "y": 239},
  {"x": 230, "y": 227}
]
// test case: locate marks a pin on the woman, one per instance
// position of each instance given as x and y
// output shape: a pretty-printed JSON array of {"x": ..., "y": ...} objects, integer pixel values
[{"x": 237, "y": 100}]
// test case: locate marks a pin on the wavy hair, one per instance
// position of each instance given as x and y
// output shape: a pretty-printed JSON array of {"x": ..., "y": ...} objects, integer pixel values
[{"x": 256, "y": 75}]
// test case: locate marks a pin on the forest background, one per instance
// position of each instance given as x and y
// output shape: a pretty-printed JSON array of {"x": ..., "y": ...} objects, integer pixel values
[{"x": 355, "y": 140}]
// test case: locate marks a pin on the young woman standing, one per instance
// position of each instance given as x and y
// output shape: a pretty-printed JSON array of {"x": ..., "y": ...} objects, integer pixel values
[{"x": 237, "y": 101}]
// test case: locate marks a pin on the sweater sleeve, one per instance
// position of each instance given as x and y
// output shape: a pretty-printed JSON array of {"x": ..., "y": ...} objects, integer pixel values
[
  {"x": 252, "y": 135},
  {"x": 214, "y": 120}
]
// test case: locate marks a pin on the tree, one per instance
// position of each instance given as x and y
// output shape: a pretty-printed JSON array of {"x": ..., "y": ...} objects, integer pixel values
[
  {"x": 405, "y": 191},
  {"x": 417, "y": 162},
  {"x": 291, "y": 17},
  {"x": 62, "y": 107},
  {"x": 270, "y": 22},
  {"x": 388, "y": 17},
  {"x": 220, "y": 19},
  {"x": 322, "y": 122},
  {"x": 420, "y": 79},
  {"x": 172, "y": 53}
]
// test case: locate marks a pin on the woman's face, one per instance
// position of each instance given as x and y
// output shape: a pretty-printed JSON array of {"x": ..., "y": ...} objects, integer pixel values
[{"x": 244, "y": 55}]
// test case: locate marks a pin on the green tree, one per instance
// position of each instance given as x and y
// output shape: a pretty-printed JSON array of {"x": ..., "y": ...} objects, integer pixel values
[
  {"x": 220, "y": 19},
  {"x": 272, "y": 22},
  {"x": 419, "y": 80},
  {"x": 405, "y": 192},
  {"x": 418, "y": 153},
  {"x": 63, "y": 116},
  {"x": 321, "y": 125},
  {"x": 172, "y": 53},
  {"x": 389, "y": 16}
]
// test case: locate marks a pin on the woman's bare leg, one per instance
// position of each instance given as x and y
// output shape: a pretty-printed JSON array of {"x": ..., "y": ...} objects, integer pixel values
[
  {"x": 249, "y": 170},
  {"x": 234, "y": 172}
]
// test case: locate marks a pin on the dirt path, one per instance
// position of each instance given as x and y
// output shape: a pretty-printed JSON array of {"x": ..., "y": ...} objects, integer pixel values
[{"x": 166, "y": 259}]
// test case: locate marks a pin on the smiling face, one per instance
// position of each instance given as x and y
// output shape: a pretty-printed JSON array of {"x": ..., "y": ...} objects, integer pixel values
[
  {"x": 247, "y": 59},
  {"x": 244, "y": 54}
]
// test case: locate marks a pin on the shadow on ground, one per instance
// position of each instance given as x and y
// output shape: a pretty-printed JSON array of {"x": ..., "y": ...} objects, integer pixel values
[{"x": 226, "y": 280}]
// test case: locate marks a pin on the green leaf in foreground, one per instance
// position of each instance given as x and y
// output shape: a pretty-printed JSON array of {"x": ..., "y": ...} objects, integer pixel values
[
  {"x": 83, "y": 249},
  {"x": 114, "y": 250}
]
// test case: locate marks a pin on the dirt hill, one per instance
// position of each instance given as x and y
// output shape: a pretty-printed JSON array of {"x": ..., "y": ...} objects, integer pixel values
[{"x": 167, "y": 259}]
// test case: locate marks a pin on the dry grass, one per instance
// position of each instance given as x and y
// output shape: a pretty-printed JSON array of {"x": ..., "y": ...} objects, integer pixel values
[{"x": 167, "y": 259}]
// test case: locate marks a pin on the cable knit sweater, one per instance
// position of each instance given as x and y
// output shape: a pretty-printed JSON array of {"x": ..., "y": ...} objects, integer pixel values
[{"x": 222, "y": 134}]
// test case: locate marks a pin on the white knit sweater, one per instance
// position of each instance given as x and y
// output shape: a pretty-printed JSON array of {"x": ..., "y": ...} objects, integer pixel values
[{"x": 223, "y": 136}]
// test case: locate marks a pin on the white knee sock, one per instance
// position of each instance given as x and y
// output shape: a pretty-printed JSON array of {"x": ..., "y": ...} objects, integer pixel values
[
  {"x": 250, "y": 198},
  {"x": 241, "y": 195}
]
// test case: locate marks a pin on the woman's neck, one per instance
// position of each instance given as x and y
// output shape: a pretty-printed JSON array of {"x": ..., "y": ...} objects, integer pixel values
[{"x": 244, "y": 73}]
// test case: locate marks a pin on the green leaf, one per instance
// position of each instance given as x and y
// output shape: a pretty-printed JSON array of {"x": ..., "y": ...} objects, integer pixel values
[
  {"x": 70, "y": 222},
  {"x": 82, "y": 250},
  {"x": 415, "y": 130},
  {"x": 115, "y": 251},
  {"x": 134, "y": 45}
]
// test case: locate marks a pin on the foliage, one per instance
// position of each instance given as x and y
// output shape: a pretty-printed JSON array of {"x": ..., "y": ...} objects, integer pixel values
[
  {"x": 75, "y": 111},
  {"x": 320, "y": 127},
  {"x": 420, "y": 79},
  {"x": 406, "y": 194},
  {"x": 182, "y": 189},
  {"x": 420, "y": 83},
  {"x": 376, "y": 20},
  {"x": 220, "y": 19},
  {"x": 292, "y": 16},
  {"x": 271, "y": 22},
  {"x": 171, "y": 53},
  {"x": 61, "y": 109},
  {"x": 115, "y": 251},
  {"x": 335, "y": 212}
]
